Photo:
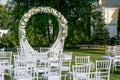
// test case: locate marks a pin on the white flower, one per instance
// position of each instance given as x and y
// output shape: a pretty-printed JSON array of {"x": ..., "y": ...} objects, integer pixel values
[
  {"x": 22, "y": 23},
  {"x": 60, "y": 18},
  {"x": 22, "y": 26},
  {"x": 22, "y": 31},
  {"x": 110, "y": 52},
  {"x": 25, "y": 19}
]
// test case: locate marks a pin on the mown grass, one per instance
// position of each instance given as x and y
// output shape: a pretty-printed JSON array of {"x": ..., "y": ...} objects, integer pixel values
[{"x": 95, "y": 54}]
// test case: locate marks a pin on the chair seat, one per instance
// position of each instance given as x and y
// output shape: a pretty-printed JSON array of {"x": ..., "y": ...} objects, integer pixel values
[
  {"x": 96, "y": 79},
  {"x": 51, "y": 76},
  {"x": 81, "y": 75},
  {"x": 43, "y": 60},
  {"x": 107, "y": 57},
  {"x": 21, "y": 69},
  {"x": 41, "y": 69},
  {"x": 23, "y": 78},
  {"x": 117, "y": 57}
]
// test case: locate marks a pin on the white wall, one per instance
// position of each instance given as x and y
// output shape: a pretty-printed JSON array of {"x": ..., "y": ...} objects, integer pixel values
[
  {"x": 112, "y": 29},
  {"x": 110, "y": 15}
]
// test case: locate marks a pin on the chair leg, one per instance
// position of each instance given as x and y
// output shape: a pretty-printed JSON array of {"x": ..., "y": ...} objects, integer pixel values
[
  {"x": 65, "y": 77},
  {"x": 113, "y": 68},
  {"x": 37, "y": 76}
]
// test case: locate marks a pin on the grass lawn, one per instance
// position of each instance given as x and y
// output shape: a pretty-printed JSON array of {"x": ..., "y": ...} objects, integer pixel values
[{"x": 94, "y": 54}]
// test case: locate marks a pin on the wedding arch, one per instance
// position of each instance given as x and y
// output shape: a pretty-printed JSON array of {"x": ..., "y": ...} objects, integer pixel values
[{"x": 58, "y": 45}]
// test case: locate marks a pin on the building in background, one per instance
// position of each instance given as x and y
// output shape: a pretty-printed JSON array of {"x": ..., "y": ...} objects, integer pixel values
[{"x": 110, "y": 10}]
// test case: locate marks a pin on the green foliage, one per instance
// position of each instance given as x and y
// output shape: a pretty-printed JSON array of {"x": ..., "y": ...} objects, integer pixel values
[
  {"x": 79, "y": 22},
  {"x": 7, "y": 40},
  {"x": 100, "y": 34},
  {"x": 4, "y": 18},
  {"x": 77, "y": 12},
  {"x": 118, "y": 23},
  {"x": 38, "y": 31}
]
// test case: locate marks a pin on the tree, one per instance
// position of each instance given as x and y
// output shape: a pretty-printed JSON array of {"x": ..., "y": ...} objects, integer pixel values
[
  {"x": 78, "y": 14},
  {"x": 100, "y": 34},
  {"x": 4, "y": 18},
  {"x": 6, "y": 23},
  {"x": 118, "y": 23}
]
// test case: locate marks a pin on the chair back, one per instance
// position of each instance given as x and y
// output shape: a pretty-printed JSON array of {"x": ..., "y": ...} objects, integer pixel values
[
  {"x": 44, "y": 49},
  {"x": 24, "y": 69},
  {"x": 82, "y": 60},
  {"x": 79, "y": 70},
  {"x": 66, "y": 61},
  {"x": 104, "y": 67},
  {"x": 54, "y": 69}
]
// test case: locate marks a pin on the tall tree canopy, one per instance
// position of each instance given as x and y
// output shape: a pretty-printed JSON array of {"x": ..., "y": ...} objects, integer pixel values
[
  {"x": 77, "y": 12},
  {"x": 42, "y": 29},
  {"x": 118, "y": 23},
  {"x": 100, "y": 34},
  {"x": 6, "y": 23}
]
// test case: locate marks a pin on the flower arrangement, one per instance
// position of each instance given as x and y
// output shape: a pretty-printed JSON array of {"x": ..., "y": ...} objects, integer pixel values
[
  {"x": 60, "y": 18},
  {"x": 110, "y": 51}
]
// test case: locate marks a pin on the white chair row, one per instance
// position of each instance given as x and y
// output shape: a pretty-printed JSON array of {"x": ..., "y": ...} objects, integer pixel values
[
  {"x": 5, "y": 63},
  {"x": 113, "y": 54},
  {"x": 50, "y": 64},
  {"x": 81, "y": 69},
  {"x": 46, "y": 64}
]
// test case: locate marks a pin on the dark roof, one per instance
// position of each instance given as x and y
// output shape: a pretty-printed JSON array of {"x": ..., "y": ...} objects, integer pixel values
[{"x": 111, "y": 3}]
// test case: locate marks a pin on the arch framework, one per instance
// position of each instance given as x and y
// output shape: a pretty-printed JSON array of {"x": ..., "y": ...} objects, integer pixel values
[{"x": 58, "y": 45}]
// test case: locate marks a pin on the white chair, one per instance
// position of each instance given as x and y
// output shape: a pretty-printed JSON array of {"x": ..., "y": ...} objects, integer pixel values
[
  {"x": 115, "y": 64},
  {"x": 1, "y": 72},
  {"x": 20, "y": 51},
  {"x": 115, "y": 57},
  {"x": 24, "y": 69},
  {"x": 66, "y": 63},
  {"x": 104, "y": 67},
  {"x": 82, "y": 60},
  {"x": 54, "y": 70},
  {"x": 41, "y": 66},
  {"x": 6, "y": 57},
  {"x": 43, "y": 56},
  {"x": 79, "y": 70}
]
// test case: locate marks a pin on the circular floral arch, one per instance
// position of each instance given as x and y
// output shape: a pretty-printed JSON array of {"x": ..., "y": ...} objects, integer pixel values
[{"x": 58, "y": 45}]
